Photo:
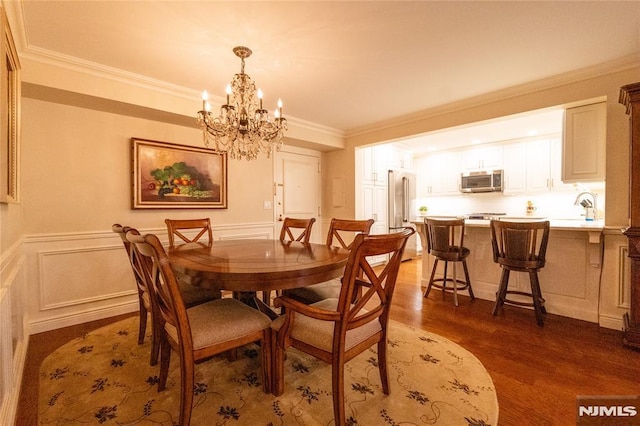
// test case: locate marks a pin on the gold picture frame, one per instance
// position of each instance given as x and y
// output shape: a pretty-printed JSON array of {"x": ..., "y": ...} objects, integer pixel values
[
  {"x": 9, "y": 116},
  {"x": 172, "y": 176}
]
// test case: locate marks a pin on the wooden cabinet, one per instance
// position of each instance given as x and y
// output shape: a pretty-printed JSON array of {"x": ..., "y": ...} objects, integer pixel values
[
  {"x": 584, "y": 151},
  {"x": 488, "y": 157},
  {"x": 438, "y": 174}
]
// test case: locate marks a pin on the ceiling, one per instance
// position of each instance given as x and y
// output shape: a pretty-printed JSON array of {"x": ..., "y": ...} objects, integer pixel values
[{"x": 341, "y": 64}]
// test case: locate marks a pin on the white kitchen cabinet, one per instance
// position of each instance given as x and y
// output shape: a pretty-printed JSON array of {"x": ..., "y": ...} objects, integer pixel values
[
  {"x": 584, "y": 152},
  {"x": 515, "y": 168},
  {"x": 374, "y": 166},
  {"x": 533, "y": 166},
  {"x": 401, "y": 159},
  {"x": 538, "y": 165},
  {"x": 438, "y": 174},
  {"x": 488, "y": 157},
  {"x": 374, "y": 163}
]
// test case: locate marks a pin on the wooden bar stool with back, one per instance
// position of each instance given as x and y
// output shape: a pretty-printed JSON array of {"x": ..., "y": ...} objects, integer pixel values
[
  {"x": 521, "y": 247},
  {"x": 445, "y": 241}
]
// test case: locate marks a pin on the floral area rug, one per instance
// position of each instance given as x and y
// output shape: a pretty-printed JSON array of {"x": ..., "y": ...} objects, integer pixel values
[{"x": 105, "y": 378}]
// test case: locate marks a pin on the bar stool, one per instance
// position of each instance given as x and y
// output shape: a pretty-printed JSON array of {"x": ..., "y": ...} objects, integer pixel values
[
  {"x": 445, "y": 241},
  {"x": 520, "y": 246}
]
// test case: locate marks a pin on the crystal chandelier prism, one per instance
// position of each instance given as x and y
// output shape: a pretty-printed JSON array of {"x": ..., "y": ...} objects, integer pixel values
[{"x": 243, "y": 129}]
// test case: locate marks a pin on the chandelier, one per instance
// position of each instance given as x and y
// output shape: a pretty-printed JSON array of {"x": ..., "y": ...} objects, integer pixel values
[{"x": 243, "y": 128}]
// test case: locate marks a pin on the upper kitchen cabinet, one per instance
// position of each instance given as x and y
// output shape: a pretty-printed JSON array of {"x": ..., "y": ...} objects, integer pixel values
[
  {"x": 584, "y": 148},
  {"x": 533, "y": 166},
  {"x": 438, "y": 174},
  {"x": 489, "y": 157},
  {"x": 401, "y": 159},
  {"x": 374, "y": 162}
]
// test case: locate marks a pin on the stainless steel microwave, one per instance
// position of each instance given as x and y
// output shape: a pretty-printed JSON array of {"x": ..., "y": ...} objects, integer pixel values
[{"x": 489, "y": 181}]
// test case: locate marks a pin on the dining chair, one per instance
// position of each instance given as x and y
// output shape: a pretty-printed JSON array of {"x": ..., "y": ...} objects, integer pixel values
[
  {"x": 200, "y": 332},
  {"x": 445, "y": 242},
  {"x": 521, "y": 247},
  {"x": 337, "y": 330},
  {"x": 342, "y": 233},
  {"x": 146, "y": 310},
  {"x": 292, "y": 230},
  {"x": 177, "y": 228}
]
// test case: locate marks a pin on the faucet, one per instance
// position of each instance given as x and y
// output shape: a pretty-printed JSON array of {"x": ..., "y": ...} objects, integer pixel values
[{"x": 594, "y": 205}]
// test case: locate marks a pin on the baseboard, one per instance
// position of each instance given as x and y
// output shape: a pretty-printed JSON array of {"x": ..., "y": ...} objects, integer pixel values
[
  {"x": 80, "y": 318},
  {"x": 615, "y": 323}
]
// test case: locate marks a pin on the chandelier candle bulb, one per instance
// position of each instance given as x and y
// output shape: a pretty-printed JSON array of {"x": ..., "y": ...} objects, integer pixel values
[
  {"x": 228, "y": 92},
  {"x": 260, "y": 97},
  {"x": 205, "y": 98}
]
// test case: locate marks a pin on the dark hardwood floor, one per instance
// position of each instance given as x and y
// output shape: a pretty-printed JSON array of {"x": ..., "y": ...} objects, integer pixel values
[{"x": 538, "y": 372}]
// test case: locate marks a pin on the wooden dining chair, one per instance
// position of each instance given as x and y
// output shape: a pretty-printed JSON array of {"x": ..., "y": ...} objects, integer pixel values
[
  {"x": 177, "y": 228},
  {"x": 200, "y": 332},
  {"x": 296, "y": 229},
  {"x": 342, "y": 233},
  {"x": 292, "y": 230},
  {"x": 337, "y": 330},
  {"x": 146, "y": 309},
  {"x": 521, "y": 247}
]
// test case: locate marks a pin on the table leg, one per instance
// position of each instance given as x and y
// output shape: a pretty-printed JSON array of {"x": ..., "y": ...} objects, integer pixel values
[{"x": 250, "y": 298}]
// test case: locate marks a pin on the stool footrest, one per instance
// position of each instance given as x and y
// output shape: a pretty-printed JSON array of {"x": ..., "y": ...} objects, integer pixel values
[
  {"x": 460, "y": 284},
  {"x": 519, "y": 303}
]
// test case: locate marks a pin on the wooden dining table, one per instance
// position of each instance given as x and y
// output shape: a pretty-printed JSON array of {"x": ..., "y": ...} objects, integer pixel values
[{"x": 246, "y": 266}]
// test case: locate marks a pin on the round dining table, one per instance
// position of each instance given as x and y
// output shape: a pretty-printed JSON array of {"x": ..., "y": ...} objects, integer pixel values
[{"x": 246, "y": 266}]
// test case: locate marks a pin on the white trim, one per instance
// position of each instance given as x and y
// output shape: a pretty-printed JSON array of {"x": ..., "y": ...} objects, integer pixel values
[{"x": 61, "y": 321}]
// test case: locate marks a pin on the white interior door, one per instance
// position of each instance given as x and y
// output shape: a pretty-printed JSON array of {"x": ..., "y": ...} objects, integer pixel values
[{"x": 297, "y": 187}]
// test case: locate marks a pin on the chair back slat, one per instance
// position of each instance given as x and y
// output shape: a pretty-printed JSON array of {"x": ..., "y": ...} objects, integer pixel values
[
  {"x": 296, "y": 229},
  {"x": 176, "y": 228}
]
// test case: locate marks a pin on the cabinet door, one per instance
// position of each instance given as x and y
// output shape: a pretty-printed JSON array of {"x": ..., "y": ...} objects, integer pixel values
[
  {"x": 374, "y": 165},
  {"x": 538, "y": 166},
  {"x": 483, "y": 158},
  {"x": 557, "y": 184},
  {"x": 584, "y": 151},
  {"x": 515, "y": 168},
  {"x": 449, "y": 170},
  {"x": 441, "y": 174},
  {"x": 374, "y": 206}
]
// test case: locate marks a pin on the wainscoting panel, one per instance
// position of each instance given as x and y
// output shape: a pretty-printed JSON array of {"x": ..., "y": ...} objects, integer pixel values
[
  {"x": 616, "y": 282},
  {"x": 75, "y": 278},
  {"x": 13, "y": 343},
  {"x": 72, "y": 277}
]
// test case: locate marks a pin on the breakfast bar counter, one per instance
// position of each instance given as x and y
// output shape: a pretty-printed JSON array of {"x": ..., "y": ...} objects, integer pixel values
[{"x": 570, "y": 280}]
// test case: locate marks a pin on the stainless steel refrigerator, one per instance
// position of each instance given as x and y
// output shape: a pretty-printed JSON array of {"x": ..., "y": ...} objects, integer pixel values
[{"x": 402, "y": 199}]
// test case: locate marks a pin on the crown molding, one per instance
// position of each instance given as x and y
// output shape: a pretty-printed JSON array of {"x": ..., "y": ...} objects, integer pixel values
[{"x": 598, "y": 70}]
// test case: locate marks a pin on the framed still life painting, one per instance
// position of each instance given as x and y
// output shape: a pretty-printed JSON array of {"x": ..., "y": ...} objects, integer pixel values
[{"x": 172, "y": 176}]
